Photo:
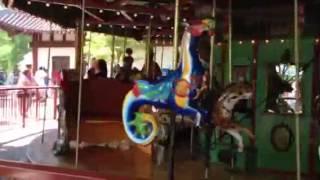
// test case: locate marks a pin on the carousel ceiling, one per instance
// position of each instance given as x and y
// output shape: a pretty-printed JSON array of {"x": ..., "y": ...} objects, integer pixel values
[{"x": 251, "y": 18}]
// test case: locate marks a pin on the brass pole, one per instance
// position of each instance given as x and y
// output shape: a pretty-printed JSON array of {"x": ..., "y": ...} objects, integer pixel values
[
  {"x": 162, "y": 51},
  {"x": 112, "y": 53},
  {"x": 80, "y": 80},
  {"x": 212, "y": 53},
  {"x": 89, "y": 53},
  {"x": 176, "y": 34},
  {"x": 230, "y": 42},
  {"x": 296, "y": 60},
  {"x": 46, "y": 91},
  {"x": 124, "y": 44},
  {"x": 148, "y": 44}
]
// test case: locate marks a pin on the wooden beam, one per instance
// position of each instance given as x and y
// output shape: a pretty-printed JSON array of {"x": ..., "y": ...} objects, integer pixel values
[{"x": 61, "y": 44}]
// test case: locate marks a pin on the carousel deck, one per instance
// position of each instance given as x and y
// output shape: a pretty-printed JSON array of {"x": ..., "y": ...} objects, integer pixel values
[{"x": 123, "y": 163}]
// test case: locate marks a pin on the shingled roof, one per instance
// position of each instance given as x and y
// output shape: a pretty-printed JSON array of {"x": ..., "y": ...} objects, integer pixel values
[{"x": 21, "y": 22}]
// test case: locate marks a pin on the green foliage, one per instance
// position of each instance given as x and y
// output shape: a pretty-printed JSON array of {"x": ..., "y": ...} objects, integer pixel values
[
  {"x": 100, "y": 46},
  {"x": 12, "y": 49}
]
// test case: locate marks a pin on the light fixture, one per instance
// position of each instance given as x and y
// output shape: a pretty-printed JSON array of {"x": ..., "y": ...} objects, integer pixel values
[
  {"x": 110, "y": 26},
  {"x": 47, "y": 4},
  {"x": 184, "y": 19},
  {"x": 134, "y": 27},
  {"x": 317, "y": 40},
  {"x": 135, "y": 15},
  {"x": 240, "y": 42},
  {"x": 282, "y": 41},
  {"x": 253, "y": 41},
  {"x": 219, "y": 43},
  {"x": 88, "y": 24},
  {"x": 147, "y": 27},
  {"x": 65, "y": 7},
  {"x": 170, "y": 36},
  {"x": 168, "y": 18},
  {"x": 29, "y": 2},
  {"x": 99, "y": 25},
  {"x": 101, "y": 11},
  {"x": 159, "y": 27},
  {"x": 122, "y": 26},
  {"x": 118, "y": 13},
  {"x": 151, "y": 17},
  {"x": 172, "y": 28},
  {"x": 267, "y": 41}
]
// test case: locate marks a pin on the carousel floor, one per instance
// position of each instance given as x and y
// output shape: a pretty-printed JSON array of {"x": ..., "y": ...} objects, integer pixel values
[{"x": 117, "y": 162}]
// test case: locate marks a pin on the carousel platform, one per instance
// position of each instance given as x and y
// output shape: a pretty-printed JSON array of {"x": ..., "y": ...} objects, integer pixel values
[
  {"x": 108, "y": 161},
  {"x": 103, "y": 160}
]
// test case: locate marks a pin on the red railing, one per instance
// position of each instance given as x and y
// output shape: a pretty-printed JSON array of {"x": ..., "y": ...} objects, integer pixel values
[{"x": 20, "y": 105}]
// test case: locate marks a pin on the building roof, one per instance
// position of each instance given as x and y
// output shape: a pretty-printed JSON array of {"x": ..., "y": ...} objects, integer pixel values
[{"x": 21, "y": 22}]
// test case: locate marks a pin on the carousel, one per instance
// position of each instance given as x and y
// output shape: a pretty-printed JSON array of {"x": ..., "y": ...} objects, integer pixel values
[{"x": 242, "y": 98}]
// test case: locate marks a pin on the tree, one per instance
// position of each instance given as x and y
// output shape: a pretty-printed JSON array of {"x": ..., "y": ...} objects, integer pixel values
[{"x": 12, "y": 50}]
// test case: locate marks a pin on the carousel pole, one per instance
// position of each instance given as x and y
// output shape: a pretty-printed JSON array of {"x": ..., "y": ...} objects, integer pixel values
[
  {"x": 296, "y": 60},
  {"x": 80, "y": 46},
  {"x": 46, "y": 92},
  {"x": 176, "y": 34},
  {"x": 112, "y": 53},
  {"x": 162, "y": 51},
  {"x": 229, "y": 42},
  {"x": 173, "y": 115},
  {"x": 212, "y": 48},
  {"x": 209, "y": 129},
  {"x": 148, "y": 44},
  {"x": 89, "y": 53},
  {"x": 125, "y": 39}
]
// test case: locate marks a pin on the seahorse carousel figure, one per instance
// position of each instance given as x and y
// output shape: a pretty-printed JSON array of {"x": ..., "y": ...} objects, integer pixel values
[
  {"x": 223, "y": 111},
  {"x": 174, "y": 92}
]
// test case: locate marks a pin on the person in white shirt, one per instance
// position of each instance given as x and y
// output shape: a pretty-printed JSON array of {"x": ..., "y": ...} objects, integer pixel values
[{"x": 41, "y": 78}]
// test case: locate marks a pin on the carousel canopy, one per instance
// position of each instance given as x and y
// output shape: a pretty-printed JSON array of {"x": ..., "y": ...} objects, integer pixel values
[{"x": 250, "y": 18}]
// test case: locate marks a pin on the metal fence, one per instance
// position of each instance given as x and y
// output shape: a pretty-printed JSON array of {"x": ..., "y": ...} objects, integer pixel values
[{"x": 22, "y": 105}]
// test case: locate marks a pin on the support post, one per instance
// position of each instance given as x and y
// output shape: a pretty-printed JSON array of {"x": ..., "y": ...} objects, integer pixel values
[
  {"x": 79, "y": 43},
  {"x": 112, "y": 53},
  {"x": 162, "y": 51},
  {"x": 296, "y": 60},
  {"x": 80, "y": 56},
  {"x": 46, "y": 92},
  {"x": 176, "y": 34},
  {"x": 173, "y": 116},
  {"x": 229, "y": 71},
  {"x": 255, "y": 47},
  {"x": 209, "y": 129},
  {"x": 212, "y": 48},
  {"x": 34, "y": 55},
  {"x": 172, "y": 146},
  {"x": 125, "y": 40},
  {"x": 148, "y": 44}
]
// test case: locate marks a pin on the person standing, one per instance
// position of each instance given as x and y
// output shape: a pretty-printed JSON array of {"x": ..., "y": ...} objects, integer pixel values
[
  {"x": 128, "y": 60},
  {"x": 25, "y": 95}
]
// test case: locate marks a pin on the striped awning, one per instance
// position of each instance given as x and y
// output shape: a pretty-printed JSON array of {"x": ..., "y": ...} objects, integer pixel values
[{"x": 27, "y": 23}]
